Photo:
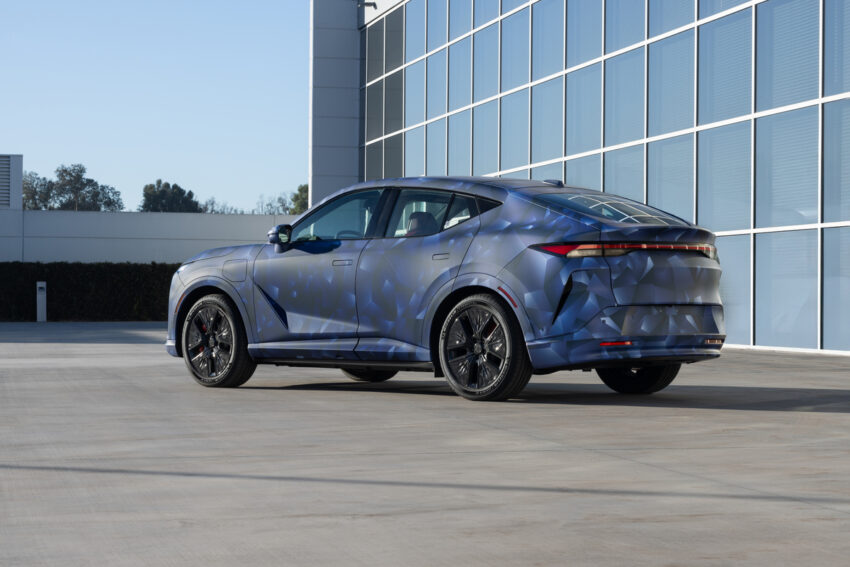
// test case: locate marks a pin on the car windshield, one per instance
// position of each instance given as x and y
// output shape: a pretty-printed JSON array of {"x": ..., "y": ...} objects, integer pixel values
[{"x": 609, "y": 207}]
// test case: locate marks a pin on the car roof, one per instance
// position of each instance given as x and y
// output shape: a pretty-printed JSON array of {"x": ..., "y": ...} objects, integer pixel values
[{"x": 489, "y": 187}]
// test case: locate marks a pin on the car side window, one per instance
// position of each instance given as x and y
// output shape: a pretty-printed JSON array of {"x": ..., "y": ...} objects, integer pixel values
[
  {"x": 462, "y": 209},
  {"x": 418, "y": 212},
  {"x": 345, "y": 218}
]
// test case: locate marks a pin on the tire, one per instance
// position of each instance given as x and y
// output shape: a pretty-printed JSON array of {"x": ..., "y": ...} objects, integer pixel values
[
  {"x": 369, "y": 375},
  {"x": 214, "y": 344},
  {"x": 482, "y": 350},
  {"x": 647, "y": 380}
]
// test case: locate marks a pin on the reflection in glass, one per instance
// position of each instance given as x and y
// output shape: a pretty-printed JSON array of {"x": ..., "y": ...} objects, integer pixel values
[
  {"x": 584, "y": 31},
  {"x": 836, "y": 161},
  {"x": 723, "y": 177},
  {"x": 711, "y": 7},
  {"x": 787, "y": 48},
  {"x": 584, "y": 109},
  {"x": 460, "y": 17},
  {"x": 787, "y": 168},
  {"x": 485, "y": 139},
  {"x": 671, "y": 84},
  {"x": 414, "y": 93},
  {"x": 666, "y": 15},
  {"x": 485, "y": 10},
  {"x": 547, "y": 120},
  {"x": 836, "y": 288},
  {"x": 724, "y": 68},
  {"x": 584, "y": 172},
  {"x": 734, "y": 253},
  {"x": 414, "y": 152},
  {"x": 437, "y": 32},
  {"x": 514, "y": 130},
  {"x": 670, "y": 176},
  {"x": 394, "y": 156},
  {"x": 624, "y": 98},
  {"x": 624, "y": 172},
  {"x": 394, "y": 101},
  {"x": 836, "y": 53},
  {"x": 414, "y": 29},
  {"x": 375, "y": 51},
  {"x": 786, "y": 289},
  {"x": 436, "y": 148},
  {"x": 623, "y": 23},
  {"x": 460, "y": 143},
  {"x": 547, "y": 38},
  {"x": 515, "y": 50},
  {"x": 460, "y": 69},
  {"x": 395, "y": 39},
  {"x": 508, "y": 5},
  {"x": 486, "y": 63},
  {"x": 375, "y": 110},
  {"x": 374, "y": 161},
  {"x": 437, "y": 84},
  {"x": 551, "y": 171}
]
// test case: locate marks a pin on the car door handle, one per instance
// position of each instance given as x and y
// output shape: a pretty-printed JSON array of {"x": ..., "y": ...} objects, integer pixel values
[
  {"x": 440, "y": 256},
  {"x": 341, "y": 262}
]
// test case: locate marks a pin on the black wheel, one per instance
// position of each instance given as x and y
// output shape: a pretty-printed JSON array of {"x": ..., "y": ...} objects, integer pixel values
[
  {"x": 482, "y": 352},
  {"x": 645, "y": 380},
  {"x": 369, "y": 375},
  {"x": 214, "y": 343}
]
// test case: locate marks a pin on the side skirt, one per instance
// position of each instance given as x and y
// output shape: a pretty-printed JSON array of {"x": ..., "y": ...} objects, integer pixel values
[{"x": 343, "y": 364}]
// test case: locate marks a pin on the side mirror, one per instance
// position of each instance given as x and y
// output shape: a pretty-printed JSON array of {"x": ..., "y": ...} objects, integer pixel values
[{"x": 280, "y": 236}]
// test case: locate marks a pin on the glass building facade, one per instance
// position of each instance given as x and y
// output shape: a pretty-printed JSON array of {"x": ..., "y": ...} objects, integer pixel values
[{"x": 732, "y": 114}]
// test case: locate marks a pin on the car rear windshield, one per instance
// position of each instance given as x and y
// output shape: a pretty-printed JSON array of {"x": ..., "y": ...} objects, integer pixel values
[{"x": 609, "y": 207}]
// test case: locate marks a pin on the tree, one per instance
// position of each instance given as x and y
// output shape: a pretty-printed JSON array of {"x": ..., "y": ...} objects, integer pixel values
[
  {"x": 214, "y": 207},
  {"x": 71, "y": 191},
  {"x": 291, "y": 204},
  {"x": 162, "y": 197},
  {"x": 300, "y": 200}
]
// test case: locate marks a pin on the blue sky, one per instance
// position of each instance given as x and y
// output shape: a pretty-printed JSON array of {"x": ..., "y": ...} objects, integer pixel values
[{"x": 211, "y": 95}]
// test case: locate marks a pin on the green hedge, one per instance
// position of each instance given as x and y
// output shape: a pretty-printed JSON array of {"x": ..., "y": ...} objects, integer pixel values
[{"x": 86, "y": 292}]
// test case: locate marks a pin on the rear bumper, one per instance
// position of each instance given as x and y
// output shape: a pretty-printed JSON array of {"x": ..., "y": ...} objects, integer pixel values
[{"x": 657, "y": 333}]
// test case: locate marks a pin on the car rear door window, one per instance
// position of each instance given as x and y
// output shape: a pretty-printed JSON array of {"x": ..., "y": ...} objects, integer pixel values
[{"x": 418, "y": 212}]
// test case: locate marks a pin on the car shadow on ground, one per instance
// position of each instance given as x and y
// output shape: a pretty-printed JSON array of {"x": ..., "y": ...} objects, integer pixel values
[{"x": 747, "y": 398}]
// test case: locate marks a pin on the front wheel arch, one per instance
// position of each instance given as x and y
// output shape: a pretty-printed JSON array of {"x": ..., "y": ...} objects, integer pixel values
[{"x": 194, "y": 295}]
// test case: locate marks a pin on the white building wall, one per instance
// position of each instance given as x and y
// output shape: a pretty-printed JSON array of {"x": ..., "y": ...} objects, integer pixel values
[{"x": 69, "y": 236}]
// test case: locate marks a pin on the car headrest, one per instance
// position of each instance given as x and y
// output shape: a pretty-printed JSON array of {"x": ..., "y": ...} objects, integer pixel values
[{"x": 421, "y": 224}]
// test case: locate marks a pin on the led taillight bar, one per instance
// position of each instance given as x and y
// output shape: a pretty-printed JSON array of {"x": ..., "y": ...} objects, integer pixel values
[{"x": 620, "y": 248}]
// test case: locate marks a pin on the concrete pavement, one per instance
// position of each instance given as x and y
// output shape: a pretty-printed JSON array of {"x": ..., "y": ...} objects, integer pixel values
[{"x": 111, "y": 455}]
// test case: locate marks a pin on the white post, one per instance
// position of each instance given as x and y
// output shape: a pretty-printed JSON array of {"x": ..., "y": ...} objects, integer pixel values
[{"x": 41, "y": 301}]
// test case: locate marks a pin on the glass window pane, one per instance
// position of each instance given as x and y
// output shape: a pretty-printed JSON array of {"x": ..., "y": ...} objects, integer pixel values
[
  {"x": 375, "y": 51},
  {"x": 437, "y": 22},
  {"x": 836, "y": 288},
  {"x": 584, "y": 109},
  {"x": 437, "y": 84},
  {"x": 460, "y": 69},
  {"x": 374, "y": 161},
  {"x": 486, "y": 63},
  {"x": 363, "y": 56},
  {"x": 460, "y": 17},
  {"x": 508, "y": 5},
  {"x": 395, "y": 39},
  {"x": 414, "y": 152},
  {"x": 547, "y": 120},
  {"x": 414, "y": 94},
  {"x": 624, "y": 98},
  {"x": 394, "y": 156},
  {"x": 485, "y": 151},
  {"x": 787, "y": 48},
  {"x": 485, "y": 10},
  {"x": 584, "y": 31},
  {"x": 460, "y": 143},
  {"x": 418, "y": 212},
  {"x": 786, "y": 289},
  {"x": 710, "y": 7},
  {"x": 414, "y": 29},
  {"x": 734, "y": 253},
  {"x": 436, "y": 140},
  {"x": 671, "y": 84},
  {"x": 547, "y": 38},
  {"x": 551, "y": 171},
  {"x": 624, "y": 172},
  {"x": 836, "y": 53},
  {"x": 670, "y": 176},
  {"x": 515, "y": 50},
  {"x": 584, "y": 172},
  {"x": 463, "y": 208},
  {"x": 624, "y": 23},
  {"x": 723, "y": 177},
  {"x": 666, "y": 15},
  {"x": 724, "y": 68},
  {"x": 836, "y": 161},
  {"x": 348, "y": 214},
  {"x": 514, "y": 130},
  {"x": 375, "y": 110},
  {"x": 787, "y": 168},
  {"x": 394, "y": 102}
]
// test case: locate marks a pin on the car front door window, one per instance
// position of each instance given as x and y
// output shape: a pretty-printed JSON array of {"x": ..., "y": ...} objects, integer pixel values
[{"x": 346, "y": 218}]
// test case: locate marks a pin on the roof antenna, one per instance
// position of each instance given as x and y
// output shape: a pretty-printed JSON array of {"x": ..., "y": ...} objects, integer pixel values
[{"x": 555, "y": 182}]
